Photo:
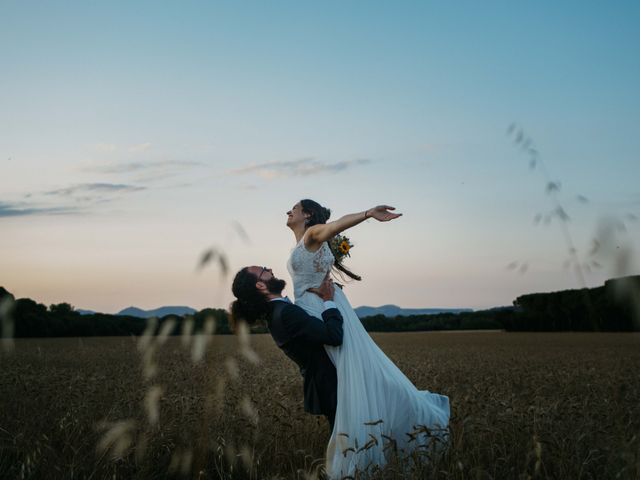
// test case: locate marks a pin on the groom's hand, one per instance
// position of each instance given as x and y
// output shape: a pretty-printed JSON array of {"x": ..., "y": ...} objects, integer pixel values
[{"x": 326, "y": 289}]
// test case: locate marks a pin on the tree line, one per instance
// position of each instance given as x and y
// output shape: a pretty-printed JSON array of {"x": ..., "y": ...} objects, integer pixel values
[
  {"x": 32, "y": 319},
  {"x": 615, "y": 306}
]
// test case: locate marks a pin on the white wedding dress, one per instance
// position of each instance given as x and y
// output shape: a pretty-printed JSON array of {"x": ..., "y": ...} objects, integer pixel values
[{"x": 379, "y": 410}]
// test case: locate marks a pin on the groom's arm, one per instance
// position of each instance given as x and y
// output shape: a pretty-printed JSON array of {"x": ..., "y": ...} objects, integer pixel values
[{"x": 302, "y": 325}]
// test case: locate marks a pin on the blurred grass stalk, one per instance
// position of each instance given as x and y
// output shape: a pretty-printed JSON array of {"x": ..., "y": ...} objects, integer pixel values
[
  {"x": 607, "y": 244},
  {"x": 7, "y": 324},
  {"x": 612, "y": 248}
]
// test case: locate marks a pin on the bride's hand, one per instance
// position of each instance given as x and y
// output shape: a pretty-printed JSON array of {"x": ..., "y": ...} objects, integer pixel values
[{"x": 382, "y": 213}]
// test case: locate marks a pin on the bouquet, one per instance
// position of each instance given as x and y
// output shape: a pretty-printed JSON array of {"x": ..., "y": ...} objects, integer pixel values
[{"x": 340, "y": 246}]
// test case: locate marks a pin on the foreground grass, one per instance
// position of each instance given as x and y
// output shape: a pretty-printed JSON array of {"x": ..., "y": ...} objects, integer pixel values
[{"x": 523, "y": 406}]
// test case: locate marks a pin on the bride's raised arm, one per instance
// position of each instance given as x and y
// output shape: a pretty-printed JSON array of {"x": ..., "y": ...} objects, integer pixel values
[{"x": 317, "y": 234}]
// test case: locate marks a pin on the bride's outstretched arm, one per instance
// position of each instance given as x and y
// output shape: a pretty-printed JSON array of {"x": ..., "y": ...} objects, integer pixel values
[{"x": 323, "y": 232}]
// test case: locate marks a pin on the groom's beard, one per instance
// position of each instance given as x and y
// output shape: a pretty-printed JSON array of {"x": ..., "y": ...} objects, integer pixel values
[{"x": 275, "y": 285}]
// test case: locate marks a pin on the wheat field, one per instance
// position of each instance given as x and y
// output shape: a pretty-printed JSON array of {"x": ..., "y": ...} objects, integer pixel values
[{"x": 524, "y": 405}]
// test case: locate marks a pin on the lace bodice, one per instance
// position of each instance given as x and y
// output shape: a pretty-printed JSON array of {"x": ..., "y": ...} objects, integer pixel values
[{"x": 308, "y": 269}]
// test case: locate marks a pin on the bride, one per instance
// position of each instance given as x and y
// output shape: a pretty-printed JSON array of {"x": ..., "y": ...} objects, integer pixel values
[{"x": 379, "y": 410}]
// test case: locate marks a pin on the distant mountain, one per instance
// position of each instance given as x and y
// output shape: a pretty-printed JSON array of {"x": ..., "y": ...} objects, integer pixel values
[
  {"x": 394, "y": 311},
  {"x": 85, "y": 312},
  {"x": 158, "y": 312}
]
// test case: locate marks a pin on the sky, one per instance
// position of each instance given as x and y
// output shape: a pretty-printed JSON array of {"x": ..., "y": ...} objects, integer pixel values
[{"x": 135, "y": 136}]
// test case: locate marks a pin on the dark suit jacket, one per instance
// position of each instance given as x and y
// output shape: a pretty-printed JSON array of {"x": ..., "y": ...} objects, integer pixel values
[{"x": 301, "y": 337}]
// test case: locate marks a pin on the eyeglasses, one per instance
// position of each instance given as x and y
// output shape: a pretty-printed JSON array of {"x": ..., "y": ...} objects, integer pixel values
[{"x": 264, "y": 269}]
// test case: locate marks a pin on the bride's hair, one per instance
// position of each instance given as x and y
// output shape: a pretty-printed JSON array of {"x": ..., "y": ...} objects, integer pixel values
[
  {"x": 319, "y": 214},
  {"x": 251, "y": 306}
]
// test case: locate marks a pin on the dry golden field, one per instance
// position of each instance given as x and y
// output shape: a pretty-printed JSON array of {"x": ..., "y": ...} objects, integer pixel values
[{"x": 524, "y": 405}]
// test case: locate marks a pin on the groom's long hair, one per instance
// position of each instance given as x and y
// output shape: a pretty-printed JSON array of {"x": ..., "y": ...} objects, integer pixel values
[{"x": 251, "y": 306}]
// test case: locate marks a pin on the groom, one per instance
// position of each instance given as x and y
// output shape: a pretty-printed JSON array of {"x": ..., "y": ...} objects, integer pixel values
[{"x": 299, "y": 335}]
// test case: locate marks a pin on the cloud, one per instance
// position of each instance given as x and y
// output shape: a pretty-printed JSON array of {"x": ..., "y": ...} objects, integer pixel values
[
  {"x": 110, "y": 147},
  {"x": 105, "y": 147},
  {"x": 94, "y": 188},
  {"x": 298, "y": 168},
  {"x": 142, "y": 147},
  {"x": 141, "y": 166},
  {"x": 91, "y": 193},
  {"x": 23, "y": 210},
  {"x": 79, "y": 198}
]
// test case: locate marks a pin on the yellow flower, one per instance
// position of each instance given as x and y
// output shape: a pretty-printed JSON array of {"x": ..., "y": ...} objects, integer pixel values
[{"x": 344, "y": 247}]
